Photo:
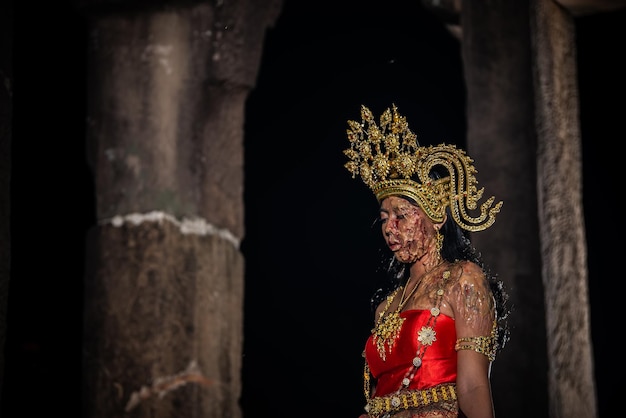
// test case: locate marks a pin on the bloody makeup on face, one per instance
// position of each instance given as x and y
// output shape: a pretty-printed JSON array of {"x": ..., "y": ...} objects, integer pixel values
[{"x": 407, "y": 230}]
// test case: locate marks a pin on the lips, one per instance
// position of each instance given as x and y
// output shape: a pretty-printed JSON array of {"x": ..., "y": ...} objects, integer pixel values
[{"x": 394, "y": 245}]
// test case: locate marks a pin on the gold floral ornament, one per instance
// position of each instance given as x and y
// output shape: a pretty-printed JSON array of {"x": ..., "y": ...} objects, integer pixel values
[
  {"x": 390, "y": 162},
  {"x": 387, "y": 332},
  {"x": 427, "y": 335}
]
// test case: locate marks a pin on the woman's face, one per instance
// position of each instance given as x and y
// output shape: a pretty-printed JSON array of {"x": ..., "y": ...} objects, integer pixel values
[{"x": 408, "y": 232}]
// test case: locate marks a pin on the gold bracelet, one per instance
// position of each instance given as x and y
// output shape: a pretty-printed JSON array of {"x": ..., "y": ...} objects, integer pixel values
[{"x": 485, "y": 345}]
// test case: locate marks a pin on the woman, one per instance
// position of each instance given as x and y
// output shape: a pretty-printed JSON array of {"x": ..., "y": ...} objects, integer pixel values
[{"x": 440, "y": 324}]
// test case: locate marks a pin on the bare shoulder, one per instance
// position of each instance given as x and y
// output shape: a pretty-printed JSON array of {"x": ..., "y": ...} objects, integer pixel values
[
  {"x": 467, "y": 273},
  {"x": 469, "y": 296}
]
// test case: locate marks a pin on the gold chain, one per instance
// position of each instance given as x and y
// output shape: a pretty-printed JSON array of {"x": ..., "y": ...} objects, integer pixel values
[{"x": 388, "y": 326}]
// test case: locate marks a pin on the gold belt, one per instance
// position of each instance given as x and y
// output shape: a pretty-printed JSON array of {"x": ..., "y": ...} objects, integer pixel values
[{"x": 410, "y": 399}]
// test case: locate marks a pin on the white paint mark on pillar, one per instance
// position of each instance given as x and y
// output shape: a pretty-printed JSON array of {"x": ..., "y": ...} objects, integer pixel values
[{"x": 195, "y": 226}]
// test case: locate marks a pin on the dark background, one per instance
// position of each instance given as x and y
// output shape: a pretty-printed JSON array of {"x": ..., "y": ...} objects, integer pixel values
[{"x": 310, "y": 254}]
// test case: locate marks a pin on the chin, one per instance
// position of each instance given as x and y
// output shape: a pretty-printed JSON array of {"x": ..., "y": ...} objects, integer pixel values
[{"x": 406, "y": 259}]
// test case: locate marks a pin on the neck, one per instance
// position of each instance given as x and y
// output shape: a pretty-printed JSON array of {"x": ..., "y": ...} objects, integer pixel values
[{"x": 425, "y": 264}]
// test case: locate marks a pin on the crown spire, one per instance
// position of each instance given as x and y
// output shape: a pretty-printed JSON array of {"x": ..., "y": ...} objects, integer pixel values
[{"x": 390, "y": 161}]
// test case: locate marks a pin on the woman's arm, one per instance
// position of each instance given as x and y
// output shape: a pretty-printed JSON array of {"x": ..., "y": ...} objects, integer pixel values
[
  {"x": 473, "y": 386},
  {"x": 472, "y": 303}
]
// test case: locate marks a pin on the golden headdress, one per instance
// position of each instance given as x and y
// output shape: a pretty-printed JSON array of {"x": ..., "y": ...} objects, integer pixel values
[{"x": 390, "y": 162}]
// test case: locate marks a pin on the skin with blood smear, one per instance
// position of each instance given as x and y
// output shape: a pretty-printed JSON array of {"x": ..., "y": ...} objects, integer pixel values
[{"x": 407, "y": 230}]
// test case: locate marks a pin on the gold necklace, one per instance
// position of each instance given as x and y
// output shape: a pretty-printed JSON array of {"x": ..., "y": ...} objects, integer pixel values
[
  {"x": 425, "y": 337},
  {"x": 388, "y": 326}
]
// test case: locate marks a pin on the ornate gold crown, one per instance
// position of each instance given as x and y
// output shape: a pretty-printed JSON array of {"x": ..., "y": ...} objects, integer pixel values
[{"x": 390, "y": 162}]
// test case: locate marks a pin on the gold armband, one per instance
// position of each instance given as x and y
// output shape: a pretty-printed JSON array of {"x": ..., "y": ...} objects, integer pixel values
[{"x": 483, "y": 345}]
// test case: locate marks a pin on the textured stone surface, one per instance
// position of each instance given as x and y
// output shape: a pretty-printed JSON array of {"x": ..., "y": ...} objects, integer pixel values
[{"x": 163, "y": 325}]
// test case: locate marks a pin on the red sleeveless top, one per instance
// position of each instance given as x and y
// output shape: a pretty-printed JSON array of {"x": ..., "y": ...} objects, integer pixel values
[{"x": 438, "y": 363}]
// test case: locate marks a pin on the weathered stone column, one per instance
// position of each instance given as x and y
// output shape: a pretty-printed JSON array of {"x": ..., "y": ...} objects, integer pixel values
[
  {"x": 501, "y": 137},
  {"x": 523, "y": 129},
  {"x": 164, "y": 290},
  {"x": 571, "y": 381}
]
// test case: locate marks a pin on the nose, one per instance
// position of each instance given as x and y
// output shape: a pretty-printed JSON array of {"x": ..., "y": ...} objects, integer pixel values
[{"x": 389, "y": 227}]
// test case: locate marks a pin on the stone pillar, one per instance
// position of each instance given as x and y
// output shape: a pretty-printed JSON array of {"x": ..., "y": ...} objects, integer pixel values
[
  {"x": 497, "y": 64},
  {"x": 571, "y": 381},
  {"x": 164, "y": 284},
  {"x": 524, "y": 133}
]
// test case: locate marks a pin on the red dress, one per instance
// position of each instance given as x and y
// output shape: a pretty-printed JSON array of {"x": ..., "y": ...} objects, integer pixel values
[{"x": 439, "y": 360}]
